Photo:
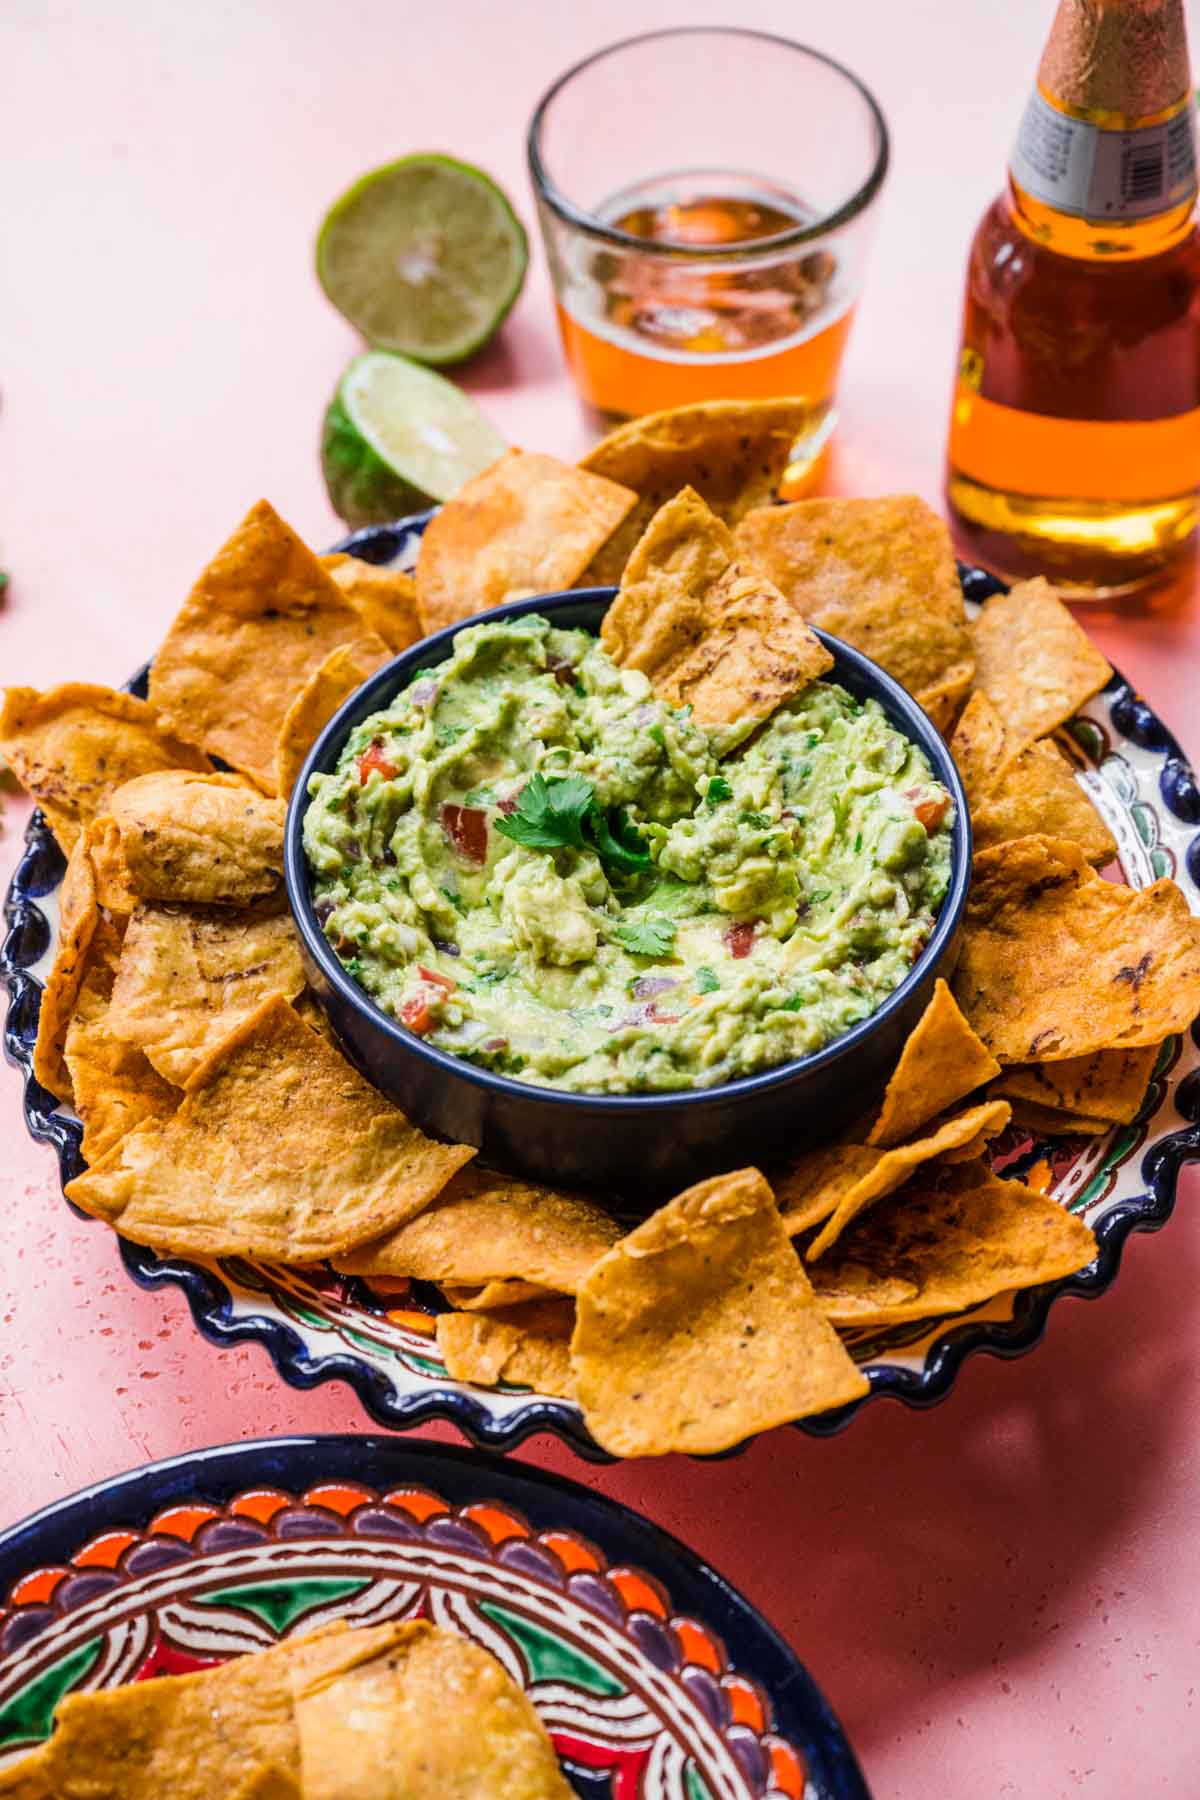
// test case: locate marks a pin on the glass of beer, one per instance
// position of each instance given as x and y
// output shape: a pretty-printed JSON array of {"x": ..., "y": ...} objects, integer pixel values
[{"x": 705, "y": 196}]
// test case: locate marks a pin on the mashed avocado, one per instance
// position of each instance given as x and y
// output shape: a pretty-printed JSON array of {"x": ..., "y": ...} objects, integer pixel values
[{"x": 533, "y": 863}]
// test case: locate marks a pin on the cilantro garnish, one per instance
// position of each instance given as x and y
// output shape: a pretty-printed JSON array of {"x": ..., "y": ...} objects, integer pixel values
[
  {"x": 564, "y": 814},
  {"x": 718, "y": 789},
  {"x": 456, "y": 900},
  {"x": 821, "y": 894},
  {"x": 478, "y": 796},
  {"x": 654, "y": 936},
  {"x": 656, "y": 732},
  {"x": 758, "y": 821},
  {"x": 706, "y": 981}
]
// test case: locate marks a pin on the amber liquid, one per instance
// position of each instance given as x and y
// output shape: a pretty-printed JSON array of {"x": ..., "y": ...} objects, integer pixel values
[
  {"x": 1075, "y": 437},
  {"x": 644, "y": 333}
]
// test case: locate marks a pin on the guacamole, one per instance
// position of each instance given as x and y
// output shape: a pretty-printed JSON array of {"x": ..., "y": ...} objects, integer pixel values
[{"x": 534, "y": 864}]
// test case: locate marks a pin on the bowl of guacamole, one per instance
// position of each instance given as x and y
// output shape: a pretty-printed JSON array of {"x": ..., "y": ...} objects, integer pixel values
[{"x": 552, "y": 915}]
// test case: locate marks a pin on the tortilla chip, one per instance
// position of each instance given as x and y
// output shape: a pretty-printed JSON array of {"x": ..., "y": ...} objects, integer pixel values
[
  {"x": 113, "y": 892},
  {"x": 385, "y": 599},
  {"x": 27, "y": 1779},
  {"x": 942, "y": 1060},
  {"x": 881, "y": 575},
  {"x": 1057, "y": 962},
  {"x": 1033, "y": 661},
  {"x": 340, "y": 675},
  {"x": 280, "y": 1150},
  {"x": 947, "y": 1241},
  {"x": 72, "y": 746},
  {"x": 707, "y": 636},
  {"x": 210, "y": 839},
  {"x": 528, "y": 525},
  {"x": 1014, "y": 795},
  {"x": 490, "y": 1297},
  {"x": 980, "y": 747},
  {"x": 113, "y": 1086},
  {"x": 229, "y": 1730},
  {"x": 78, "y": 917},
  {"x": 486, "y": 1227},
  {"x": 490, "y": 1348},
  {"x": 700, "y": 1329},
  {"x": 1052, "y": 1121},
  {"x": 1109, "y": 1085},
  {"x": 734, "y": 453},
  {"x": 187, "y": 976},
  {"x": 431, "y": 1717},
  {"x": 819, "y": 1187},
  {"x": 263, "y": 615}
]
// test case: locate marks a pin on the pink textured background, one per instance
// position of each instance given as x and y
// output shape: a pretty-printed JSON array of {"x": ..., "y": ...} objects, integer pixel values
[{"x": 999, "y": 1597}]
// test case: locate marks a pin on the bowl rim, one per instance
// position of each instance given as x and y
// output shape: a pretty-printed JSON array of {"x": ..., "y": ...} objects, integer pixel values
[{"x": 396, "y": 674}]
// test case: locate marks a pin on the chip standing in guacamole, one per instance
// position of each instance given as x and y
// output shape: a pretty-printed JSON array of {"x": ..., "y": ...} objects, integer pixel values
[{"x": 535, "y": 864}]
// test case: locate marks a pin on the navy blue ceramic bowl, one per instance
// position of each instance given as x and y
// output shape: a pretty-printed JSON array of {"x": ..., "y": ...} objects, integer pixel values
[{"x": 637, "y": 1145}]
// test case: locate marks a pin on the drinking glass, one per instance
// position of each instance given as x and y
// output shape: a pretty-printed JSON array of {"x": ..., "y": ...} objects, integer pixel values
[{"x": 705, "y": 196}]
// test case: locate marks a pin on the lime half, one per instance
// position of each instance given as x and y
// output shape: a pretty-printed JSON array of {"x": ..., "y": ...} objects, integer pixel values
[
  {"x": 424, "y": 256},
  {"x": 397, "y": 437}
]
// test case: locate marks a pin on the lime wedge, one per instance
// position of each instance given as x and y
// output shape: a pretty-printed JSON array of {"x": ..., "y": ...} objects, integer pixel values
[
  {"x": 424, "y": 256},
  {"x": 398, "y": 437}
]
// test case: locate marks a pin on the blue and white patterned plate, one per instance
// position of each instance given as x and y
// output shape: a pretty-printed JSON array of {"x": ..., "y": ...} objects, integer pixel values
[
  {"x": 655, "y": 1679},
  {"x": 321, "y": 1327}
]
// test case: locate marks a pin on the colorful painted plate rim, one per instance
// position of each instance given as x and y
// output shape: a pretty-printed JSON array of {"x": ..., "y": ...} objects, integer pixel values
[
  {"x": 132, "y": 1500},
  {"x": 211, "y": 1301}
]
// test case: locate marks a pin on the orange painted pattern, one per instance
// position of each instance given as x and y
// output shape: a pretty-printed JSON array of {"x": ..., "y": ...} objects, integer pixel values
[
  {"x": 496, "y": 1522},
  {"x": 106, "y": 1551},
  {"x": 745, "y": 1702},
  {"x": 638, "y": 1592},
  {"x": 36, "y": 1588},
  {"x": 572, "y": 1552},
  {"x": 260, "y": 1503},
  {"x": 699, "y": 1645},
  {"x": 183, "y": 1521},
  {"x": 338, "y": 1498},
  {"x": 417, "y": 1501},
  {"x": 787, "y": 1771}
]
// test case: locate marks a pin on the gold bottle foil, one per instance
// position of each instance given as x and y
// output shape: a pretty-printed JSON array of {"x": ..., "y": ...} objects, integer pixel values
[{"x": 1123, "y": 57}]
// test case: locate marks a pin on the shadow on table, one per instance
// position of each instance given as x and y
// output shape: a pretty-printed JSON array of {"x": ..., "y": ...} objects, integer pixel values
[{"x": 918, "y": 1550}]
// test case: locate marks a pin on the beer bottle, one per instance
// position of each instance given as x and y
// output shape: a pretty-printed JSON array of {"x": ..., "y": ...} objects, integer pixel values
[{"x": 1075, "y": 432}]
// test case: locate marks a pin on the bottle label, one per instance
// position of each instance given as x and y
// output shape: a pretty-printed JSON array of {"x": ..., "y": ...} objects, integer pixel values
[{"x": 1096, "y": 172}]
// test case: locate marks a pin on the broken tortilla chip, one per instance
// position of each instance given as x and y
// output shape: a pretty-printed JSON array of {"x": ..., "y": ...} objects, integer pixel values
[
  {"x": 946, "y": 1241},
  {"x": 1014, "y": 791},
  {"x": 280, "y": 1150},
  {"x": 79, "y": 915},
  {"x": 734, "y": 453},
  {"x": 1057, "y": 963},
  {"x": 209, "y": 839},
  {"x": 942, "y": 1060},
  {"x": 73, "y": 745},
  {"x": 879, "y": 574},
  {"x": 525, "y": 1346},
  {"x": 486, "y": 1227},
  {"x": 113, "y": 1086},
  {"x": 188, "y": 975},
  {"x": 489, "y": 1297},
  {"x": 263, "y": 615},
  {"x": 1109, "y": 1084},
  {"x": 700, "y": 1328},
  {"x": 1033, "y": 661},
  {"x": 528, "y": 525},
  {"x": 432, "y": 1716},
  {"x": 1053, "y": 1121},
  {"x": 340, "y": 675},
  {"x": 805, "y": 1193},
  {"x": 385, "y": 599},
  {"x": 229, "y": 1730},
  {"x": 726, "y": 644}
]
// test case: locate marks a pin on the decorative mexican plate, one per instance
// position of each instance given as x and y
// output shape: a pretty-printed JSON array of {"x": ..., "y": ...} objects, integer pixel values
[
  {"x": 319, "y": 1326},
  {"x": 652, "y": 1675}
]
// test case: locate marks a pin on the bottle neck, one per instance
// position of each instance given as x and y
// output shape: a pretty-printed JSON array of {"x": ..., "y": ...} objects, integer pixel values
[{"x": 1104, "y": 186}]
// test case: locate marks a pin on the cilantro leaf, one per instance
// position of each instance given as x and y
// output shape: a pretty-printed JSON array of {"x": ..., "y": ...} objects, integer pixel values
[
  {"x": 718, "y": 789},
  {"x": 616, "y": 841},
  {"x": 706, "y": 981},
  {"x": 549, "y": 814},
  {"x": 654, "y": 936},
  {"x": 561, "y": 815}
]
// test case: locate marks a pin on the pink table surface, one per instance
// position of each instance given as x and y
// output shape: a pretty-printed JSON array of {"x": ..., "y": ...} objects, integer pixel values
[{"x": 999, "y": 1596}]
